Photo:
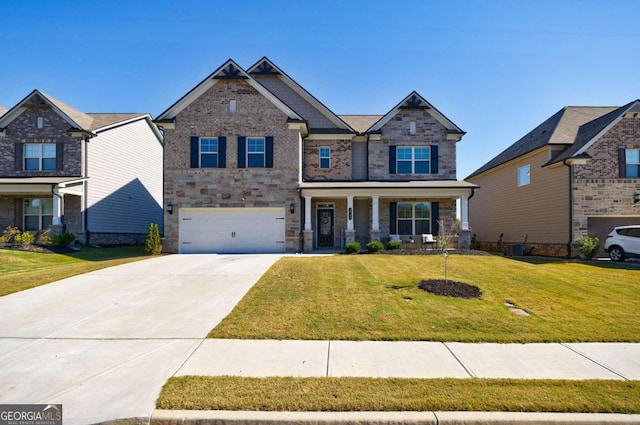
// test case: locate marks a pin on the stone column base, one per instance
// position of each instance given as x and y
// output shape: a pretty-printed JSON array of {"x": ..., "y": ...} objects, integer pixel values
[
  {"x": 55, "y": 229},
  {"x": 375, "y": 235},
  {"x": 464, "y": 241},
  {"x": 308, "y": 241},
  {"x": 349, "y": 236}
]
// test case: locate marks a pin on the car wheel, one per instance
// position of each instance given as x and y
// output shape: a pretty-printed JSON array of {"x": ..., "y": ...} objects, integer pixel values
[{"x": 616, "y": 253}]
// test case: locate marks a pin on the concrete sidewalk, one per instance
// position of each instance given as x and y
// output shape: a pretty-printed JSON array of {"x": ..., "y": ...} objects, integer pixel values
[{"x": 382, "y": 359}]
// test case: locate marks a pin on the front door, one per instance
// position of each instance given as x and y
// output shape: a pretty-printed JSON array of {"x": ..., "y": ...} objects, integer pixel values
[{"x": 325, "y": 228}]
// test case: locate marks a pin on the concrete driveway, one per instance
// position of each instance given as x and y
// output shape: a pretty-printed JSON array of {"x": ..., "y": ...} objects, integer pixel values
[{"x": 104, "y": 343}]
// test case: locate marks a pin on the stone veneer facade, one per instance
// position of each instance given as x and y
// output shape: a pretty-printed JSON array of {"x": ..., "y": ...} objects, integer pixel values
[
  {"x": 209, "y": 116},
  {"x": 598, "y": 190},
  {"x": 340, "y": 161}
]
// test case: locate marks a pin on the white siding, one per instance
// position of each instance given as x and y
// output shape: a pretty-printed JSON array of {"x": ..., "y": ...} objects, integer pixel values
[{"x": 125, "y": 179}]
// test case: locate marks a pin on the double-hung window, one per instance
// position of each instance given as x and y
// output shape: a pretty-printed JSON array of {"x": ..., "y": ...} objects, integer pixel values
[
  {"x": 40, "y": 156},
  {"x": 325, "y": 157},
  {"x": 38, "y": 213},
  {"x": 209, "y": 152},
  {"x": 413, "y": 160},
  {"x": 413, "y": 218},
  {"x": 632, "y": 162},
  {"x": 255, "y": 152}
]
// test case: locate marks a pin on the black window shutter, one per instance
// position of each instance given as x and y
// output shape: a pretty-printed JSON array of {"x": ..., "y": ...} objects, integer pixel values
[
  {"x": 19, "y": 157},
  {"x": 622, "y": 162},
  {"x": 222, "y": 152},
  {"x": 393, "y": 225},
  {"x": 435, "y": 217},
  {"x": 268, "y": 159},
  {"x": 392, "y": 159},
  {"x": 242, "y": 151},
  {"x": 195, "y": 152},
  {"x": 59, "y": 156},
  {"x": 434, "y": 160}
]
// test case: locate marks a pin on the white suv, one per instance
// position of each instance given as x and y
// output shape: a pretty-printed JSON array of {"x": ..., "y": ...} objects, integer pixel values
[{"x": 623, "y": 242}]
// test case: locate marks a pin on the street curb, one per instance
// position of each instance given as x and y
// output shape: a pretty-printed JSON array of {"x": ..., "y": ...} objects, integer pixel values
[{"x": 220, "y": 417}]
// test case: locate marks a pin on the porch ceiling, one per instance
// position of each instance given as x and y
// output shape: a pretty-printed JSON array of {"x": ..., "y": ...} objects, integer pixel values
[
  {"x": 35, "y": 185},
  {"x": 435, "y": 188}
]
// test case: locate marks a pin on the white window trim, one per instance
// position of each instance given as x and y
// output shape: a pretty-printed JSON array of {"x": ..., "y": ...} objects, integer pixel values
[
  {"x": 200, "y": 153},
  {"x": 528, "y": 180},
  {"x": 413, "y": 217},
  {"x": 320, "y": 157},
  {"x": 263, "y": 153},
  {"x": 413, "y": 159},
  {"x": 40, "y": 156}
]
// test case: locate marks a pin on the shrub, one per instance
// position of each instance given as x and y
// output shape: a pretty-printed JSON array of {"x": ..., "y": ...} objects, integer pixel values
[
  {"x": 24, "y": 239},
  {"x": 352, "y": 247},
  {"x": 375, "y": 246},
  {"x": 63, "y": 239},
  {"x": 394, "y": 245},
  {"x": 588, "y": 247},
  {"x": 43, "y": 238},
  {"x": 9, "y": 234},
  {"x": 153, "y": 244}
]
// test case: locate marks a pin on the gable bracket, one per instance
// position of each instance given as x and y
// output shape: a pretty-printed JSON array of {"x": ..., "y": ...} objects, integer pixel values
[
  {"x": 229, "y": 73},
  {"x": 414, "y": 103}
]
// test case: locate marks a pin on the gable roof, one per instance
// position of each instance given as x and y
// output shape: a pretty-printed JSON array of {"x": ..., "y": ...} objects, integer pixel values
[
  {"x": 559, "y": 129},
  {"x": 590, "y": 132},
  {"x": 227, "y": 71},
  {"x": 360, "y": 123},
  {"x": 415, "y": 101},
  {"x": 294, "y": 95}
]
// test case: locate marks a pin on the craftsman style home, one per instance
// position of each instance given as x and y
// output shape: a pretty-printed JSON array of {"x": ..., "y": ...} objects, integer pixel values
[
  {"x": 98, "y": 176},
  {"x": 255, "y": 163},
  {"x": 575, "y": 175}
]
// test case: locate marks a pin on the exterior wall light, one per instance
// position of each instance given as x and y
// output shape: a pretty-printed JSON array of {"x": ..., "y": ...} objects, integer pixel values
[
  {"x": 292, "y": 208},
  {"x": 636, "y": 198},
  {"x": 170, "y": 208}
]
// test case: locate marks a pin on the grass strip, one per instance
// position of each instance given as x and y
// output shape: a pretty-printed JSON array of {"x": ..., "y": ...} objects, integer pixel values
[{"x": 376, "y": 394}]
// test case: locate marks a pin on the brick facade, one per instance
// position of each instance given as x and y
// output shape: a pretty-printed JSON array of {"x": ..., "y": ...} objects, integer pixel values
[
  {"x": 340, "y": 161},
  {"x": 209, "y": 115}
]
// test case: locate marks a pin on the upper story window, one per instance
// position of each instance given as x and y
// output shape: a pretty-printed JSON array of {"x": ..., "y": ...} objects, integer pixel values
[
  {"x": 325, "y": 157},
  {"x": 255, "y": 152},
  {"x": 414, "y": 219},
  {"x": 38, "y": 213},
  {"x": 40, "y": 156},
  {"x": 413, "y": 160},
  {"x": 632, "y": 163},
  {"x": 524, "y": 175},
  {"x": 209, "y": 152}
]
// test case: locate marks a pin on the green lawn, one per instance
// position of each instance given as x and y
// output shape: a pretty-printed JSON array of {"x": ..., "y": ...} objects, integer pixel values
[
  {"x": 362, "y": 394},
  {"x": 20, "y": 270},
  {"x": 374, "y": 297}
]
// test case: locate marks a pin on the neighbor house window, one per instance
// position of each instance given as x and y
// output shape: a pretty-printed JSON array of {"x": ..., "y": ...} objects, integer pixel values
[
  {"x": 632, "y": 160},
  {"x": 524, "y": 175},
  {"x": 413, "y": 160},
  {"x": 40, "y": 157},
  {"x": 255, "y": 152},
  {"x": 209, "y": 152},
  {"x": 414, "y": 218},
  {"x": 38, "y": 213},
  {"x": 325, "y": 157}
]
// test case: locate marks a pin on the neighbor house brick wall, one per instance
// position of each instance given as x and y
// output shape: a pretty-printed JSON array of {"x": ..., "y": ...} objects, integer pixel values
[
  {"x": 23, "y": 129},
  {"x": 340, "y": 160},
  {"x": 209, "y": 116},
  {"x": 597, "y": 188},
  {"x": 396, "y": 133}
]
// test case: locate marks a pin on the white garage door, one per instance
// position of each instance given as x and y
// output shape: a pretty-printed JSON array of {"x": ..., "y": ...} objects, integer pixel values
[{"x": 231, "y": 230}]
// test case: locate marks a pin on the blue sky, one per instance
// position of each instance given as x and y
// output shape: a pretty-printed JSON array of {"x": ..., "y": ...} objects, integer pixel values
[{"x": 496, "y": 68}]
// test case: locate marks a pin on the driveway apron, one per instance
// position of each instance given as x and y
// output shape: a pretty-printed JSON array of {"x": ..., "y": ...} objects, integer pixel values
[{"x": 105, "y": 342}]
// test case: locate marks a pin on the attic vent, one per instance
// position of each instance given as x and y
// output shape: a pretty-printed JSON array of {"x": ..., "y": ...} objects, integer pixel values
[
  {"x": 232, "y": 105},
  {"x": 412, "y": 127},
  {"x": 40, "y": 122}
]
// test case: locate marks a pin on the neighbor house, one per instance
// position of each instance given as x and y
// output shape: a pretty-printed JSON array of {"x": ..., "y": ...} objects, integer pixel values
[
  {"x": 255, "y": 163},
  {"x": 574, "y": 175},
  {"x": 98, "y": 176}
]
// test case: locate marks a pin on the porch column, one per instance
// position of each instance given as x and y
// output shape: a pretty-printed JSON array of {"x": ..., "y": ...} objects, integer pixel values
[
  {"x": 57, "y": 210},
  {"x": 375, "y": 218},
  {"x": 464, "y": 242},
  {"x": 307, "y": 233},
  {"x": 350, "y": 233}
]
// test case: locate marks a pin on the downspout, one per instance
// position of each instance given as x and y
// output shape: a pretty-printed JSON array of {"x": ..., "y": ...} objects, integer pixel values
[
  {"x": 568, "y": 165},
  {"x": 85, "y": 192}
]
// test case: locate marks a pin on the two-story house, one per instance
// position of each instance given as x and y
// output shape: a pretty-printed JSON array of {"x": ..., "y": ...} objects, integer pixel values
[
  {"x": 98, "y": 176},
  {"x": 574, "y": 175},
  {"x": 255, "y": 163}
]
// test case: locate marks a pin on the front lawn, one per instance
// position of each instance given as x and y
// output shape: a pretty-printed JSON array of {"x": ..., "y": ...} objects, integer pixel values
[
  {"x": 366, "y": 394},
  {"x": 375, "y": 297},
  {"x": 20, "y": 270}
]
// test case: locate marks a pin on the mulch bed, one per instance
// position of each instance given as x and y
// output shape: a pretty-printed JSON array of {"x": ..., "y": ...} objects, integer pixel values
[
  {"x": 450, "y": 288},
  {"x": 42, "y": 249},
  {"x": 432, "y": 252}
]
